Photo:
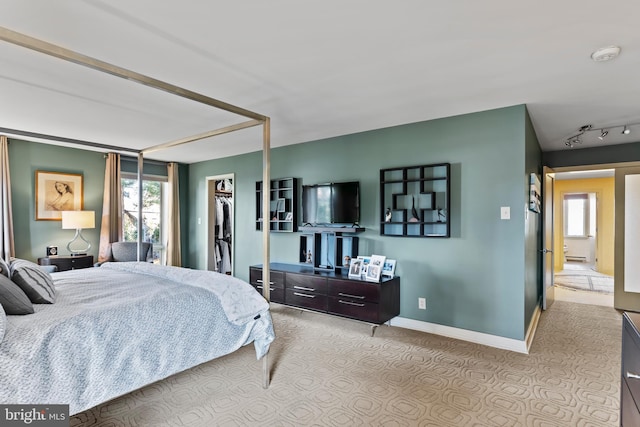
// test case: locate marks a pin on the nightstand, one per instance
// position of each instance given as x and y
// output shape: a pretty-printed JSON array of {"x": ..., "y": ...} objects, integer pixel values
[{"x": 65, "y": 263}]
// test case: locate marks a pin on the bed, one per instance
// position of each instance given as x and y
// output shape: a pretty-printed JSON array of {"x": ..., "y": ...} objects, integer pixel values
[{"x": 121, "y": 326}]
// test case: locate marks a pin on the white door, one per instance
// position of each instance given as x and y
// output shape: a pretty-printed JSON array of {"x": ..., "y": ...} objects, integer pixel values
[{"x": 547, "y": 241}]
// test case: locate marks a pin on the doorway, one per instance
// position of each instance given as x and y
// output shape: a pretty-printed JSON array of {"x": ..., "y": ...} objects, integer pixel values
[
  {"x": 219, "y": 251},
  {"x": 584, "y": 236}
]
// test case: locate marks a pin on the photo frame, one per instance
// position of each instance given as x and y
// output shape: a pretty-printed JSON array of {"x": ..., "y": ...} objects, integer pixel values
[
  {"x": 288, "y": 216},
  {"x": 355, "y": 269},
  {"x": 374, "y": 269},
  {"x": 56, "y": 192},
  {"x": 365, "y": 260},
  {"x": 389, "y": 268},
  {"x": 535, "y": 199}
]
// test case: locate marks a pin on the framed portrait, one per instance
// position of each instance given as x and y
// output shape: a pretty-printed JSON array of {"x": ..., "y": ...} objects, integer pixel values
[
  {"x": 389, "y": 267},
  {"x": 288, "y": 216},
  {"x": 373, "y": 273},
  {"x": 57, "y": 192},
  {"x": 535, "y": 200},
  {"x": 377, "y": 260},
  {"x": 355, "y": 268}
]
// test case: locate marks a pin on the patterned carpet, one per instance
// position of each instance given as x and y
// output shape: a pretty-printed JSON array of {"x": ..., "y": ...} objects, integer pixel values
[{"x": 328, "y": 371}]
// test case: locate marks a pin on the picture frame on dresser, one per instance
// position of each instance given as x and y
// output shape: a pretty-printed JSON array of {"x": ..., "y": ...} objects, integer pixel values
[
  {"x": 389, "y": 268},
  {"x": 355, "y": 269}
]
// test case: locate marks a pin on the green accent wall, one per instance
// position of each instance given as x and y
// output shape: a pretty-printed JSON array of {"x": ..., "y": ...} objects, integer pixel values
[
  {"x": 475, "y": 280},
  {"x": 25, "y": 158}
]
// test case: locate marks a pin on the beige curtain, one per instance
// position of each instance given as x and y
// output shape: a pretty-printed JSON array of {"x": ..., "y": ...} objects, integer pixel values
[
  {"x": 174, "y": 253},
  {"x": 111, "y": 227},
  {"x": 7, "y": 248}
]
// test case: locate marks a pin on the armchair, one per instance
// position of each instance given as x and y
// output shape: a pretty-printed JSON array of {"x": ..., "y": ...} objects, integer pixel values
[{"x": 127, "y": 251}]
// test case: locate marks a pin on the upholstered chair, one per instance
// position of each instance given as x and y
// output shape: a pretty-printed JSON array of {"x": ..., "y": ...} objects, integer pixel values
[{"x": 127, "y": 251}]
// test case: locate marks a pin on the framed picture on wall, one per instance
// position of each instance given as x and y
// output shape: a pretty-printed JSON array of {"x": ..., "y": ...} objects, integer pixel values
[
  {"x": 535, "y": 199},
  {"x": 57, "y": 192}
]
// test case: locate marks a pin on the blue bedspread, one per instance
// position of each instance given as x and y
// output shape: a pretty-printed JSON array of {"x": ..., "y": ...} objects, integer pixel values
[{"x": 119, "y": 327}]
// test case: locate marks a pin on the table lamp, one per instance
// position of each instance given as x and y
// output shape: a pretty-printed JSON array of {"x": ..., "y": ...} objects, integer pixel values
[{"x": 78, "y": 220}]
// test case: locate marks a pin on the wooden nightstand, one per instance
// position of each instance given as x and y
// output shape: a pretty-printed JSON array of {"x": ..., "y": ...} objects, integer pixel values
[{"x": 65, "y": 263}]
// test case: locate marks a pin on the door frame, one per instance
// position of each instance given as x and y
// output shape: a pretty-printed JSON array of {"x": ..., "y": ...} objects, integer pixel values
[{"x": 210, "y": 215}]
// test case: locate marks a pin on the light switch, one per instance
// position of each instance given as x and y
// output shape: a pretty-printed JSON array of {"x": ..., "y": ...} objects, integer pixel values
[{"x": 505, "y": 212}]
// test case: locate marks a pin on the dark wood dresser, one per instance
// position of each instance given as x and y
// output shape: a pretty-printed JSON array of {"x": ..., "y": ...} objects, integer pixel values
[
  {"x": 630, "y": 381},
  {"x": 302, "y": 286},
  {"x": 65, "y": 263}
]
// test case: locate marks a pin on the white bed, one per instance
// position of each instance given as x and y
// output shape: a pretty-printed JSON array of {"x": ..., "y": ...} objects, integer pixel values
[{"x": 119, "y": 327}]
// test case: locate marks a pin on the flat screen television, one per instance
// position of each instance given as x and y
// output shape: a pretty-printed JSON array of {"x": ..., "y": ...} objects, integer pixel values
[{"x": 331, "y": 203}]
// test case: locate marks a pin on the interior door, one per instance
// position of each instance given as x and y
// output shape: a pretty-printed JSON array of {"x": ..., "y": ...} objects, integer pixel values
[
  {"x": 547, "y": 240},
  {"x": 626, "y": 285}
]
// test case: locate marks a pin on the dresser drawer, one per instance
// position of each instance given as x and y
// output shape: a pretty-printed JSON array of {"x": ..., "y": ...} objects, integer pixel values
[
  {"x": 629, "y": 415},
  {"x": 360, "y": 310},
  {"x": 275, "y": 294},
  {"x": 306, "y": 283},
  {"x": 631, "y": 362},
  {"x": 277, "y": 277},
  {"x": 354, "y": 290},
  {"x": 310, "y": 300}
]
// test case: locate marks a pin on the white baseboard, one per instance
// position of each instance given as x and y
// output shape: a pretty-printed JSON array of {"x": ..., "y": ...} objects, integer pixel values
[{"x": 473, "y": 336}]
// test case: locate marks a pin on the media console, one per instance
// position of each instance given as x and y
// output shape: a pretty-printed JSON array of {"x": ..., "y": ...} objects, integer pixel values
[{"x": 328, "y": 292}]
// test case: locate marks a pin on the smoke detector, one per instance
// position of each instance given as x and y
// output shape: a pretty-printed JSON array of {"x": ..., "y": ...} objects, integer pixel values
[{"x": 605, "y": 53}]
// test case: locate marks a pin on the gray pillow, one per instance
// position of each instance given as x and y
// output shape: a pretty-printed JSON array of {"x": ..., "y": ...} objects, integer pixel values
[
  {"x": 13, "y": 299},
  {"x": 3, "y": 323},
  {"x": 34, "y": 281},
  {"x": 4, "y": 268}
]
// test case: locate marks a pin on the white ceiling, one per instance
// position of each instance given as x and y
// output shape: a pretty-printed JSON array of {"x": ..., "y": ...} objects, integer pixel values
[{"x": 318, "y": 69}]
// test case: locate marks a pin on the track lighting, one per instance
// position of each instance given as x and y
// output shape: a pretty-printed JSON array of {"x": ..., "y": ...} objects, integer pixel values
[{"x": 574, "y": 139}]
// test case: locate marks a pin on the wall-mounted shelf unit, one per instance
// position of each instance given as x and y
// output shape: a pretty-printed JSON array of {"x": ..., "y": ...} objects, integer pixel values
[
  {"x": 325, "y": 248},
  {"x": 283, "y": 196},
  {"x": 416, "y": 201}
]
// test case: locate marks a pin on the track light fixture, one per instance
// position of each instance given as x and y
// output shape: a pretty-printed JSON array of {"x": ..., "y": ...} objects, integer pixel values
[{"x": 572, "y": 140}]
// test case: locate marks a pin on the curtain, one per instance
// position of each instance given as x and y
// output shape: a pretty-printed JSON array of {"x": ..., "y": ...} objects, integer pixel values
[
  {"x": 174, "y": 253},
  {"x": 7, "y": 248},
  {"x": 111, "y": 227}
]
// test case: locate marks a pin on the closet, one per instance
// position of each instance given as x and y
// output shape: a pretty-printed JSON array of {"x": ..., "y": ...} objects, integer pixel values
[{"x": 220, "y": 229}]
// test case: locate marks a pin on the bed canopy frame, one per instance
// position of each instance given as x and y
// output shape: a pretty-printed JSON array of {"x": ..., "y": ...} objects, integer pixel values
[{"x": 255, "y": 119}]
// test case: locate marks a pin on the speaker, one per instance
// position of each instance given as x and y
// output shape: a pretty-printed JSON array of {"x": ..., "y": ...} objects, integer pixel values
[{"x": 52, "y": 250}]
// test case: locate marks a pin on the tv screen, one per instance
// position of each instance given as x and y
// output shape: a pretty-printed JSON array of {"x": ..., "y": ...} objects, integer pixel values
[{"x": 333, "y": 203}]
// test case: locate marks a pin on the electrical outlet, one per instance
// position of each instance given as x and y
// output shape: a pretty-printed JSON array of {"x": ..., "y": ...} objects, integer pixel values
[{"x": 422, "y": 303}]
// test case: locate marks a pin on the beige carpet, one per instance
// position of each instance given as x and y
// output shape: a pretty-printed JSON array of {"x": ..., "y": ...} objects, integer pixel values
[{"x": 329, "y": 372}]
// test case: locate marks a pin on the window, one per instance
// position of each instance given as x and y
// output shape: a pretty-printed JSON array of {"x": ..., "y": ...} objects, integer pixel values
[
  {"x": 153, "y": 210},
  {"x": 579, "y": 214}
]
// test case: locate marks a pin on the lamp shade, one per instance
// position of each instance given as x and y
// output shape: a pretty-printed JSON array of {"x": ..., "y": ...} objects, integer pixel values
[{"x": 76, "y": 220}]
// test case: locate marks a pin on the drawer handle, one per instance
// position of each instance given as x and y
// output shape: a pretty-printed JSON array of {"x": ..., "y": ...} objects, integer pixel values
[
  {"x": 350, "y": 303},
  {"x": 350, "y": 296},
  {"x": 260, "y": 281},
  {"x": 634, "y": 376},
  {"x": 262, "y": 287},
  {"x": 302, "y": 288},
  {"x": 303, "y": 295}
]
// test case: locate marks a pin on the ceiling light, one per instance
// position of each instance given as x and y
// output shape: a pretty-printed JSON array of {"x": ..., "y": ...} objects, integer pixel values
[
  {"x": 605, "y": 53},
  {"x": 603, "y": 133},
  {"x": 626, "y": 130}
]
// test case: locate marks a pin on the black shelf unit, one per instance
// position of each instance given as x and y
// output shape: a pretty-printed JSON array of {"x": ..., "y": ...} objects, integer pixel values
[
  {"x": 328, "y": 248},
  {"x": 417, "y": 199},
  {"x": 283, "y": 201}
]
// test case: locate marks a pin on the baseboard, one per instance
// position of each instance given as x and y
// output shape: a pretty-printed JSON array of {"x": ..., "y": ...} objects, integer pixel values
[
  {"x": 467, "y": 335},
  {"x": 533, "y": 327}
]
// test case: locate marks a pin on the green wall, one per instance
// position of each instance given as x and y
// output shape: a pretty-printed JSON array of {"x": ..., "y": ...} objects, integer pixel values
[
  {"x": 25, "y": 158},
  {"x": 474, "y": 280}
]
